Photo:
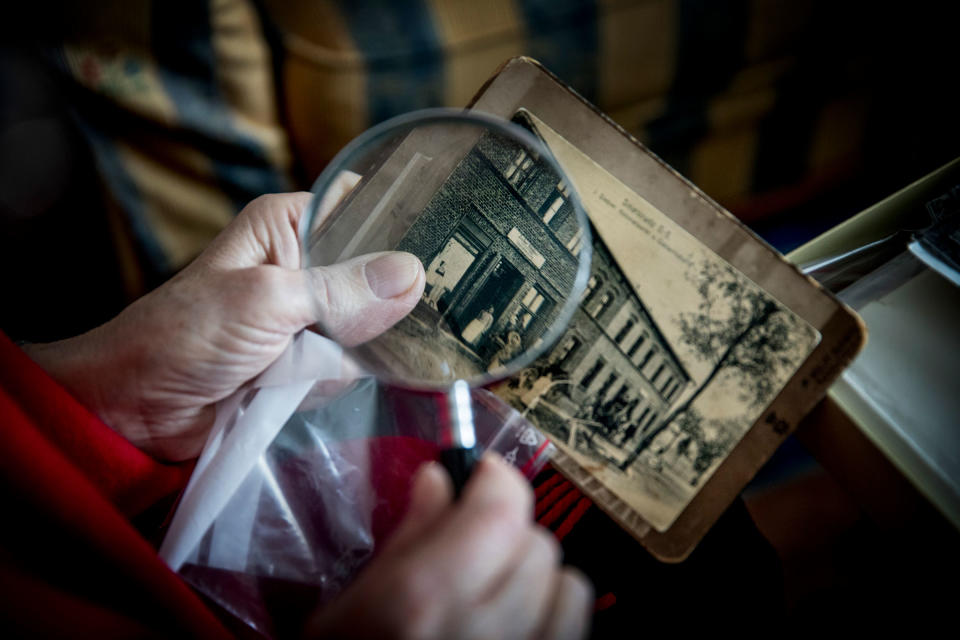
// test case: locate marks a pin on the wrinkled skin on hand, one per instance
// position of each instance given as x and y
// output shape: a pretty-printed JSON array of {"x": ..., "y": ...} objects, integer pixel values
[
  {"x": 475, "y": 568},
  {"x": 155, "y": 371}
]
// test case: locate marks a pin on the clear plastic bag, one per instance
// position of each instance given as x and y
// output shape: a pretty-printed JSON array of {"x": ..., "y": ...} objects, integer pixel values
[{"x": 306, "y": 471}]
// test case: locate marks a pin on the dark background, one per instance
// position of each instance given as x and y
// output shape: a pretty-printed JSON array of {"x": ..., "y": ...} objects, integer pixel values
[{"x": 841, "y": 563}]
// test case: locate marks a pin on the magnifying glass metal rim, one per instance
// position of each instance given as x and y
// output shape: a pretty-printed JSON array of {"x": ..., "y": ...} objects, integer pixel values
[{"x": 409, "y": 121}]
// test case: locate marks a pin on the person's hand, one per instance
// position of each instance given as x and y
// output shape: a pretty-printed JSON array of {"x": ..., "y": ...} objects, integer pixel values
[
  {"x": 475, "y": 568},
  {"x": 154, "y": 372}
]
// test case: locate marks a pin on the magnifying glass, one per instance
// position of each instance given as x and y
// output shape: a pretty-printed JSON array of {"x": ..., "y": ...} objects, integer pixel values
[{"x": 503, "y": 239}]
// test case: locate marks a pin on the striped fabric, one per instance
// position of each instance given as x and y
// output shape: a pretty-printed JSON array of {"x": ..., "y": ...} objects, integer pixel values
[
  {"x": 635, "y": 594},
  {"x": 762, "y": 103},
  {"x": 178, "y": 102},
  {"x": 700, "y": 81}
]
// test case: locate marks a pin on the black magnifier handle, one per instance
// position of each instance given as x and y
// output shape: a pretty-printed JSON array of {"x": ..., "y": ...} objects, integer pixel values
[
  {"x": 460, "y": 457},
  {"x": 459, "y": 463}
]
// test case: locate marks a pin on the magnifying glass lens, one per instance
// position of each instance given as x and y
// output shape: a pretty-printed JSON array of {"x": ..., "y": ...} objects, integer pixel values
[
  {"x": 502, "y": 238},
  {"x": 495, "y": 223}
]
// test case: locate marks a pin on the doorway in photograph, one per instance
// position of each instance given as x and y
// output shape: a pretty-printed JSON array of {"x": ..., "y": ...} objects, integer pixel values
[
  {"x": 485, "y": 305},
  {"x": 446, "y": 271}
]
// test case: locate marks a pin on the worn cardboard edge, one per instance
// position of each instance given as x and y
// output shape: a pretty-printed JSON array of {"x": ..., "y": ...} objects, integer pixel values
[{"x": 843, "y": 335}]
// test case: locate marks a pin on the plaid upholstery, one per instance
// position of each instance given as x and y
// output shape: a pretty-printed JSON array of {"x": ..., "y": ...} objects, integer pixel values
[
  {"x": 698, "y": 81},
  {"x": 178, "y": 102},
  {"x": 762, "y": 103}
]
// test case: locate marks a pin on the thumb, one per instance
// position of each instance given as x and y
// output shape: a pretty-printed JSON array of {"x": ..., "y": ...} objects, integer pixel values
[{"x": 361, "y": 298}]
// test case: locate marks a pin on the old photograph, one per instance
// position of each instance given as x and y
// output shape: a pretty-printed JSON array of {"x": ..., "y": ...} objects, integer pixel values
[
  {"x": 500, "y": 245},
  {"x": 671, "y": 357}
]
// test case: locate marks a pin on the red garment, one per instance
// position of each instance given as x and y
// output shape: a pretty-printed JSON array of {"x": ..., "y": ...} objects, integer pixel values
[
  {"x": 71, "y": 564},
  {"x": 71, "y": 484}
]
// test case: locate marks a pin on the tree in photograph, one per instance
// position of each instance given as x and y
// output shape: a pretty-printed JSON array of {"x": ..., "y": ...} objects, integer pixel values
[
  {"x": 711, "y": 449},
  {"x": 747, "y": 336},
  {"x": 701, "y": 441}
]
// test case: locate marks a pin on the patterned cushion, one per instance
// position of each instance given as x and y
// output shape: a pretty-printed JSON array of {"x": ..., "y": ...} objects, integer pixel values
[
  {"x": 705, "y": 84},
  {"x": 178, "y": 102},
  {"x": 764, "y": 104}
]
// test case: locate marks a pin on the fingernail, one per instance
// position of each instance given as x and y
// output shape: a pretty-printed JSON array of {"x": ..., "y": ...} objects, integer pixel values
[
  {"x": 429, "y": 467},
  {"x": 420, "y": 489},
  {"x": 392, "y": 274},
  {"x": 418, "y": 486}
]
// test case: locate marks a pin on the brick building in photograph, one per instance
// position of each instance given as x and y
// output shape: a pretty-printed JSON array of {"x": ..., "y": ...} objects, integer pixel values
[
  {"x": 614, "y": 371},
  {"x": 500, "y": 246}
]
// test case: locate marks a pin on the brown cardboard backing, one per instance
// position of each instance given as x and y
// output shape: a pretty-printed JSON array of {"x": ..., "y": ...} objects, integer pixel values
[{"x": 524, "y": 83}]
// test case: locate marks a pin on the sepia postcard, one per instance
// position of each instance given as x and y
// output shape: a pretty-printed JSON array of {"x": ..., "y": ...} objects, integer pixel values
[
  {"x": 690, "y": 355},
  {"x": 670, "y": 359},
  {"x": 696, "y": 348}
]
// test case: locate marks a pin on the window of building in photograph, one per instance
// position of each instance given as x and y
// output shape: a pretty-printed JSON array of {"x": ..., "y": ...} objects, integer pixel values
[
  {"x": 646, "y": 359},
  {"x": 637, "y": 344},
  {"x": 612, "y": 378},
  {"x": 673, "y": 392},
  {"x": 552, "y": 205},
  {"x": 530, "y": 304},
  {"x": 656, "y": 374},
  {"x": 576, "y": 242},
  {"x": 643, "y": 416},
  {"x": 601, "y": 304},
  {"x": 625, "y": 330},
  {"x": 520, "y": 169},
  {"x": 551, "y": 211},
  {"x": 567, "y": 348},
  {"x": 592, "y": 285},
  {"x": 533, "y": 299},
  {"x": 666, "y": 383},
  {"x": 592, "y": 373}
]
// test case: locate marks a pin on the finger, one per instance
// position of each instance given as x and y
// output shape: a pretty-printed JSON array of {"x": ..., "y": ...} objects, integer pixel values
[
  {"x": 569, "y": 615},
  {"x": 264, "y": 232},
  {"x": 496, "y": 482},
  {"x": 471, "y": 548},
  {"x": 267, "y": 230},
  {"x": 390, "y": 594},
  {"x": 431, "y": 495},
  {"x": 357, "y": 300},
  {"x": 340, "y": 187},
  {"x": 520, "y": 602},
  {"x": 431, "y": 587}
]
